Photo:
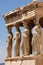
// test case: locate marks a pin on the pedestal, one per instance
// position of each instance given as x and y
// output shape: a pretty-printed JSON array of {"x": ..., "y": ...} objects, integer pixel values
[{"x": 25, "y": 60}]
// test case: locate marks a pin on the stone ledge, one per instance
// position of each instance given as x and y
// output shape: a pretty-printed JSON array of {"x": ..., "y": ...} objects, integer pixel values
[
  {"x": 25, "y": 60},
  {"x": 29, "y": 57}
]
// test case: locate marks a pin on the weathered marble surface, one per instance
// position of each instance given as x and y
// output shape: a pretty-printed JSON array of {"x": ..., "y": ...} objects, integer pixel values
[
  {"x": 9, "y": 45},
  {"x": 17, "y": 40},
  {"x": 26, "y": 60},
  {"x": 25, "y": 46},
  {"x": 42, "y": 41},
  {"x": 36, "y": 40}
]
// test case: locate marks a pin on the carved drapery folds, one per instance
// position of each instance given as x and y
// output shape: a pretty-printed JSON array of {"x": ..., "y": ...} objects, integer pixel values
[
  {"x": 36, "y": 40},
  {"x": 9, "y": 42},
  {"x": 24, "y": 41},
  {"x": 17, "y": 40}
]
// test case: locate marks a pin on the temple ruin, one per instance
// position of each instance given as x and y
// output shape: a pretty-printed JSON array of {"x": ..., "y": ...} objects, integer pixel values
[{"x": 30, "y": 17}]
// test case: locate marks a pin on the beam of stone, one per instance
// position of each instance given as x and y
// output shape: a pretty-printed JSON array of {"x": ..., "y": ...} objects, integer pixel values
[
  {"x": 30, "y": 16},
  {"x": 15, "y": 17}
]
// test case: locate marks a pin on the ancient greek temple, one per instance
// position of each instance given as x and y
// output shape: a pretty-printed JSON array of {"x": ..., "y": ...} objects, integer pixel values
[{"x": 30, "y": 17}]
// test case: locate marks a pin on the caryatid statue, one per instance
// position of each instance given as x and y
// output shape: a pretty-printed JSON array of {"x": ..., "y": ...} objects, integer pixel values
[
  {"x": 25, "y": 46},
  {"x": 9, "y": 43},
  {"x": 36, "y": 40},
  {"x": 17, "y": 40}
]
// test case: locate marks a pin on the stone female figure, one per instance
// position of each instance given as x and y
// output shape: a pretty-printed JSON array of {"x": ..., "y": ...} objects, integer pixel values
[
  {"x": 25, "y": 42},
  {"x": 36, "y": 40},
  {"x": 9, "y": 45},
  {"x": 17, "y": 40}
]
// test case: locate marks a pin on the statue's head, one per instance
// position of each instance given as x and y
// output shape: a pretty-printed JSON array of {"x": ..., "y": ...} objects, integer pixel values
[
  {"x": 37, "y": 29},
  {"x": 9, "y": 36},
  {"x": 17, "y": 34},
  {"x": 26, "y": 31}
]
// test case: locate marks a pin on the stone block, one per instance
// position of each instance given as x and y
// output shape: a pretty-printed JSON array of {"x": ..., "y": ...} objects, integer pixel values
[{"x": 26, "y": 60}]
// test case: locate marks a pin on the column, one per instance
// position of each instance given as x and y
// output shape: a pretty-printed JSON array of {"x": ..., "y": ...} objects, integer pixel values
[
  {"x": 17, "y": 40},
  {"x": 9, "y": 42},
  {"x": 36, "y": 40},
  {"x": 25, "y": 43}
]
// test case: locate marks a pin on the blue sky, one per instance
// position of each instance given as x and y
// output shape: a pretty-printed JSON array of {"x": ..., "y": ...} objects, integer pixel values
[{"x": 5, "y": 7}]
